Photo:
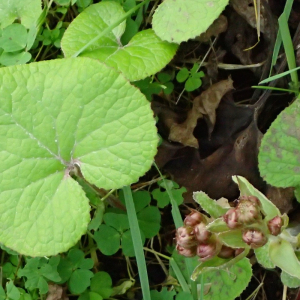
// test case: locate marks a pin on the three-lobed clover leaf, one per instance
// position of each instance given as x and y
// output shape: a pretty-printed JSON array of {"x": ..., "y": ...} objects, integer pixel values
[
  {"x": 161, "y": 196},
  {"x": 180, "y": 20},
  {"x": 38, "y": 271},
  {"x": 144, "y": 55},
  {"x": 57, "y": 116}
]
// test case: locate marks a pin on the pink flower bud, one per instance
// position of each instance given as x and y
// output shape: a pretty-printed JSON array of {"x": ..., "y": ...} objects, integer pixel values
[
  {"x": 185, "y": 237},
  {"x": 226, "y": 252},
  {"x": 275, "y": 225},
  {"x": 231, "y": 218},
  {"x": 253, "y": 199},
  {"x": 194, "y": 218},
  {"x": 206, "y": 251},
  {"x": 254, "y": 238},
  {"x": 201, "y": 233},
  {"x": 248, "y": 212},
  {"x": 191, "y": 252}
]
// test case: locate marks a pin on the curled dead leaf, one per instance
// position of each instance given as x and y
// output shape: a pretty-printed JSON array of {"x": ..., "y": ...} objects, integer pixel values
[{"x": 204, "y": 105}]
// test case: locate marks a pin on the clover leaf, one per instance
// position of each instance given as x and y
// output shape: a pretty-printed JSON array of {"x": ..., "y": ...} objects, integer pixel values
[
  {"x": 38, "y": 270},
  {"x": 144, "y": 55},
  {"x": 161, "y": 196},
  {"x": 58, "y": 116}
]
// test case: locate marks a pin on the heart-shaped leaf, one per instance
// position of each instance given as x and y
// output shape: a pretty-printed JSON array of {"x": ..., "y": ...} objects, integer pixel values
[
  {"x": 279, "y": 153},
  {"x": 177, "y": 21},
  {"x": 28, "y": 11},
  {"x": 57, "y": 116},
  {"x": 144, "y": 55}
]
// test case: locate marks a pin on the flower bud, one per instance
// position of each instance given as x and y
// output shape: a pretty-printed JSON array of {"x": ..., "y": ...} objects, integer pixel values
[
  {"x": 206, "y": 251},
  {"x": 185, "y": 237},
  {"x": 194, "y": 218},
  {"x": 201, "y": 233},
  {"x": 226, "y": 252},
  {"x": 231, "y": 218},
  {"x": 254, "y": 238},
  {"x": 253, "y": 199},
  {"x": 248, "y": 212},
  {"x": 275, "y": 225},
  {"x": 191, "y": 252}
]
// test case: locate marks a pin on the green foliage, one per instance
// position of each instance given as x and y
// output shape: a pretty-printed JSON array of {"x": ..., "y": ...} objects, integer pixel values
[
  {"x": 280, "y": 147},
  {"x": 161, "y": 196},
  {"x": 38, "y": 270},
  {"x": 178, "y": 21},
  {"x": 290, "y": 281},
  {"x": 112, "y": 147},
  {"x": 116, "y": 227},
  {"x": 75, "y": 269},
  {"x": 54, "y": 36},
  {"x": 192, "y": 78},
  {"x": 27, "y": 11},
  {"x": 96, "y": 20},
  {"x": 209, "y": 205}
]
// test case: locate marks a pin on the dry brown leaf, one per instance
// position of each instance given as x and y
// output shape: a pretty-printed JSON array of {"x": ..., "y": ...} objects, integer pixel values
[
  {"x": 204, "y": 105},
  {"x": 56, "y": 292}
]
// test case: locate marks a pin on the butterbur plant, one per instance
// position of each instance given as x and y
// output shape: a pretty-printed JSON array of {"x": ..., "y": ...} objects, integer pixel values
[{"x": 226, "y": 236}]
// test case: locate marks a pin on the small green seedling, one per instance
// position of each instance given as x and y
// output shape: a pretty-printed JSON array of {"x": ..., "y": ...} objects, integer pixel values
[{"x": 192, "y": 77}]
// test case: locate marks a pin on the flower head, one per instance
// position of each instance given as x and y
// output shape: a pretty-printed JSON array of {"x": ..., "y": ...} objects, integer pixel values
[
  {"x": 254, "y": 238},
  {"x": 275, "y": 225},
  {"x": 201, "y": 233},
  {"x": 185, "y": 237},
  {"x": 191, "y": 252},
  {"x": 207, "y": 250},
  {"x": 194, "y": 218},
  {"x": 231, "y": 218}
]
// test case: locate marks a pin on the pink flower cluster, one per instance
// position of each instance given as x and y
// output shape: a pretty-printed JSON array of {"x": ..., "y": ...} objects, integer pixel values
[{"x": 195, "y": 239}]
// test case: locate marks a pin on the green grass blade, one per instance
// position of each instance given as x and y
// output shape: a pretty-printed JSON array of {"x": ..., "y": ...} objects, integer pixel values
[
  {"x": 175, "y": 210},
  {"x": 262, "y": 87},
  {"x": 278, "y": 42},
  {"x": 278, "y": 75},
  {"x": 288, "y": 48},
  {"x": 137, "y": 243},
  {"x": 179, "y": 276},
  {"x": 178, "y": 223}
]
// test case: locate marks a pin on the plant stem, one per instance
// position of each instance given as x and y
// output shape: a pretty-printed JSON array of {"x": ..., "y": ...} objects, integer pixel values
[{"x": 137, "y": 242}]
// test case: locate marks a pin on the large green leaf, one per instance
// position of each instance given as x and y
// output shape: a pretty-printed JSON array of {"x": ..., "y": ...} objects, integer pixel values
[
  {"x": 57, "y": 116},
  {"x": 279, "y": 154},
  {"x": 144, "y": 55},
  {"x": 179, "y": 20},
  {"x": 230, "y": 283},
  {"x": 27, "y": 11}
]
